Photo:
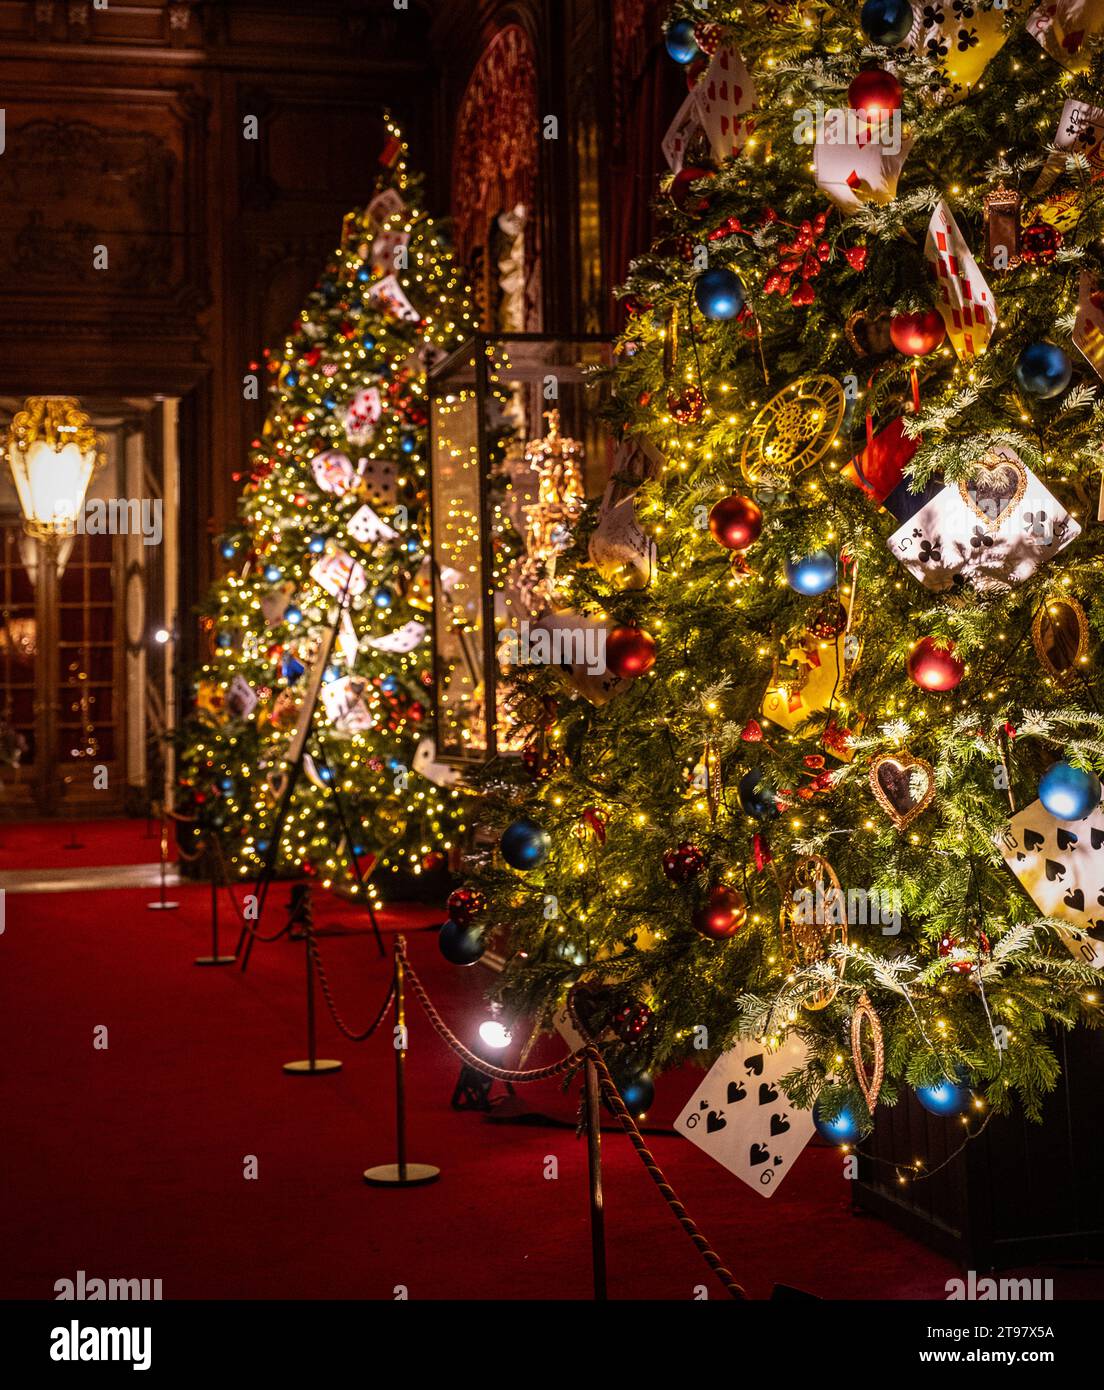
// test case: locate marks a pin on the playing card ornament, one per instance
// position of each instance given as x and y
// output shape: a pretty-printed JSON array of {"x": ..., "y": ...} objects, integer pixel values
[
  {"x": 1059, "y": 866},
  {"x": 619, "y": 549},
  {"x": 963, "y": 297},
  {"x": 794, "y": 430},
  {"x": 903, "y": 786},
  {"x": 1065, "y": 29},
  {"x": 723, "y": 97},
  {"x": 819, "y": 667},
  {"x": 853, "y": 175},
  {"x": 870, "y": 1083},
  {"x": 741, "y": 1117},
  {"x": 1060, "y": 635},
  {"x": 813, "y": 917},
  {"x": 993, "y": 530},
  {"x": 1088, "y": 328}
]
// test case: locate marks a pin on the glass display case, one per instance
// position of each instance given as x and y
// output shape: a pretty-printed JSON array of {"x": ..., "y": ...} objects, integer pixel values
[{"x": 514, "y": 445}]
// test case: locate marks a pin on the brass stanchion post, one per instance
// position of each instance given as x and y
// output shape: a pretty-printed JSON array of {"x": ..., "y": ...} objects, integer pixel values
[
  {"x": 594, "y": 1165},
  {"x": 214, "y": 958},
  {"x": 311, "y": 1065},
  {"x": 402, "y": 1173},
  {"x": 162, "y": 905}
]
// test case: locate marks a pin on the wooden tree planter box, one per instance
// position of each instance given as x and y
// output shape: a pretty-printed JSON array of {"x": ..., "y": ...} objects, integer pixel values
[{"x": 1021, "y": 1194}]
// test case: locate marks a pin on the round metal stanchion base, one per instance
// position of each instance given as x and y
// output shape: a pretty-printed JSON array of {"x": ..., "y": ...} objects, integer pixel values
[
  {"x": 214, "y": 960},
  {"x": 387, "y": 1175},
  {"x": 305, "y": 1068},
  {"x": 161, "y": 907}
]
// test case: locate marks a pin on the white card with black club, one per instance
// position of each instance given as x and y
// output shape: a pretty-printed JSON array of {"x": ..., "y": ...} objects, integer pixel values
[{"x": 740, "y": 1116}]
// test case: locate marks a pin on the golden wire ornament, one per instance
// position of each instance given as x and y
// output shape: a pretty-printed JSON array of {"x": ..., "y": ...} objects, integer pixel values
[
  {"x": 869, "y": 1083},
  {"x": 903, "y": 786},
  {"x": 814, "y": 915},
  {"x": 1060, "y": 635},
  {"x": 793, "y": 431}
]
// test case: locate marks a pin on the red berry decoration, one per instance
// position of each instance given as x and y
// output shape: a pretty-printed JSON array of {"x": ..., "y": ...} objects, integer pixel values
[
  {"x": 683, "y": 196},
  {"x": 683, "y": 863},
  {"x": 874, "y": 91},
  {"x": 917, "y": 334},
  {"x": 735, "y": 522},
  {"x": 630, "y": 1021},
  {"x": 934, "y": 668},
  {"x": 630, "y": 652},
  {"x": 687, "y": 406},
  {"x": 723, "y": 915},
  {"x": 1039, "y": 243},
  {"x": 465, "y": 903}
]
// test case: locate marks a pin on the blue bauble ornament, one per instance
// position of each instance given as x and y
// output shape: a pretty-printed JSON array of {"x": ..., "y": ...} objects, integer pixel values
[
  {"x": 409, "y": 444},
  {"x": 812, "y": 574},
  {"x": 637, "y": 1090},
  {"x": 844, "y": 1129},
  {"x": 329, "y": 402},
  {"x": 680, "y": 41},
  {"x": 369, "y": 342},
  {"x": 226, "y": 784},
  {"x": 719, "y": 294},
  {"x": 273, "y": 573},
  {"x": 292, "y": 668},
  {"x": 525, "y": 845},
  {"x": 293, "y": 615},
  {"x": 944, "y": 1098},
  {"x": 363, "y": 276},
  {"x": 1044, "y": 370},
  {"x": 886, "y": 21},
  {"x": 756, "y": 798},
  {"x": 292, "y": 379},
  {"x": 1068, "y": 793},
  {"x": 316, "y": 545},
  {"x": 460, "y": 945},
  {"x": 223, "y": 640},
  {"x": 226, "y": 549},
  {"x": 390, "y": 684},
  {"x": 383, "y": 597}
]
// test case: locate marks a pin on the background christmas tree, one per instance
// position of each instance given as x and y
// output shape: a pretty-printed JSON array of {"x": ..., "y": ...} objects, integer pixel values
[
  {"x": 805, "y": 686},
  {"x": 335, "y": 508}
]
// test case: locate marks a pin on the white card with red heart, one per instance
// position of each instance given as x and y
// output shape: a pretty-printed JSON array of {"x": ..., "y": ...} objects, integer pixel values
[
  {"x": 388, "y": 294},
  {"x": 853, "y": 175},
  {"x": 681, "y": 131},
  {"x": 1060, "y": 864},
  {"x": 386, "y": 205},
  {"x": 1088, "y": 328},
  {"x": 725, "y": 92},
  {"x": 740, "y": 1116},
  {"x": 963, "y": 295}
]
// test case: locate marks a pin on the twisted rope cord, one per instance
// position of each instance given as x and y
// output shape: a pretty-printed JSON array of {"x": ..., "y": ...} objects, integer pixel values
[
  {"x": 613, "y": 1099},
  {"x": 565, "y": 1066},
  {"x": 589, "y": 1052},
  {"x": 339, "y": 1023}
]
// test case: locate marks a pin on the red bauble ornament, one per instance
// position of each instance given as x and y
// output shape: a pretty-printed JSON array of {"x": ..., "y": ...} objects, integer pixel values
[
  {"x": 683, "y": 196},
  {"x": 687, "y": 406},
  {"x": 1039, "y": 243},
  {"x": 630, "y": 652},
  {"x": 723, "y": 915},
  {"x": 950, "y": 944},
  {"x": 917, "y": 334},
  {"x": 934, "y": 668},
  {"x": 735, "y": 522},
  {"x": 873, "y": 91},
  {"x": 683, "y": 863},
  {"x": 631, "y": 1020},
  {"x": 465, "y": 903}
]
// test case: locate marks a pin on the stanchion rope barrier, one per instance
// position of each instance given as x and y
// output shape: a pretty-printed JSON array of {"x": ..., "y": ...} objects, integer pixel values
[
  {"x": 589, "y": 1052},
  {"x": 327, "y": 995}
]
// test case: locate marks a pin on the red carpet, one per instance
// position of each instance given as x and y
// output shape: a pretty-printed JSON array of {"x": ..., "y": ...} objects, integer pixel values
[
  {"x": 80, "y": 844},
  {"x": 128, "y": 1162}
]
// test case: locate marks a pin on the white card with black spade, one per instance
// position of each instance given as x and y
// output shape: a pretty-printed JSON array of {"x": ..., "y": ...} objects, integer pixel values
[
  {"x": 741, "y": 1117},
  {"x": 1059, "y": 863}
]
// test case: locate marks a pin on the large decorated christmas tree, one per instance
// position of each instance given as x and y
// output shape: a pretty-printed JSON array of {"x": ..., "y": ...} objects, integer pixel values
[
  {"x": 332, "y": 518},
  {"x": 835, "y": 790}
]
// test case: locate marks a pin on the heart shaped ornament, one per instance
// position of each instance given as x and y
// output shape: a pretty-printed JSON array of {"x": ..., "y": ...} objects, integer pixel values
[
  {"x": 903, "y": 786},
  {"x": 998, "y": 485}
]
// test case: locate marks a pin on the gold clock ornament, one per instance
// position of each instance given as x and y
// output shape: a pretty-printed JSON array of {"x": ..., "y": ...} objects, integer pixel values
[{"x": 792, "y": 431}]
